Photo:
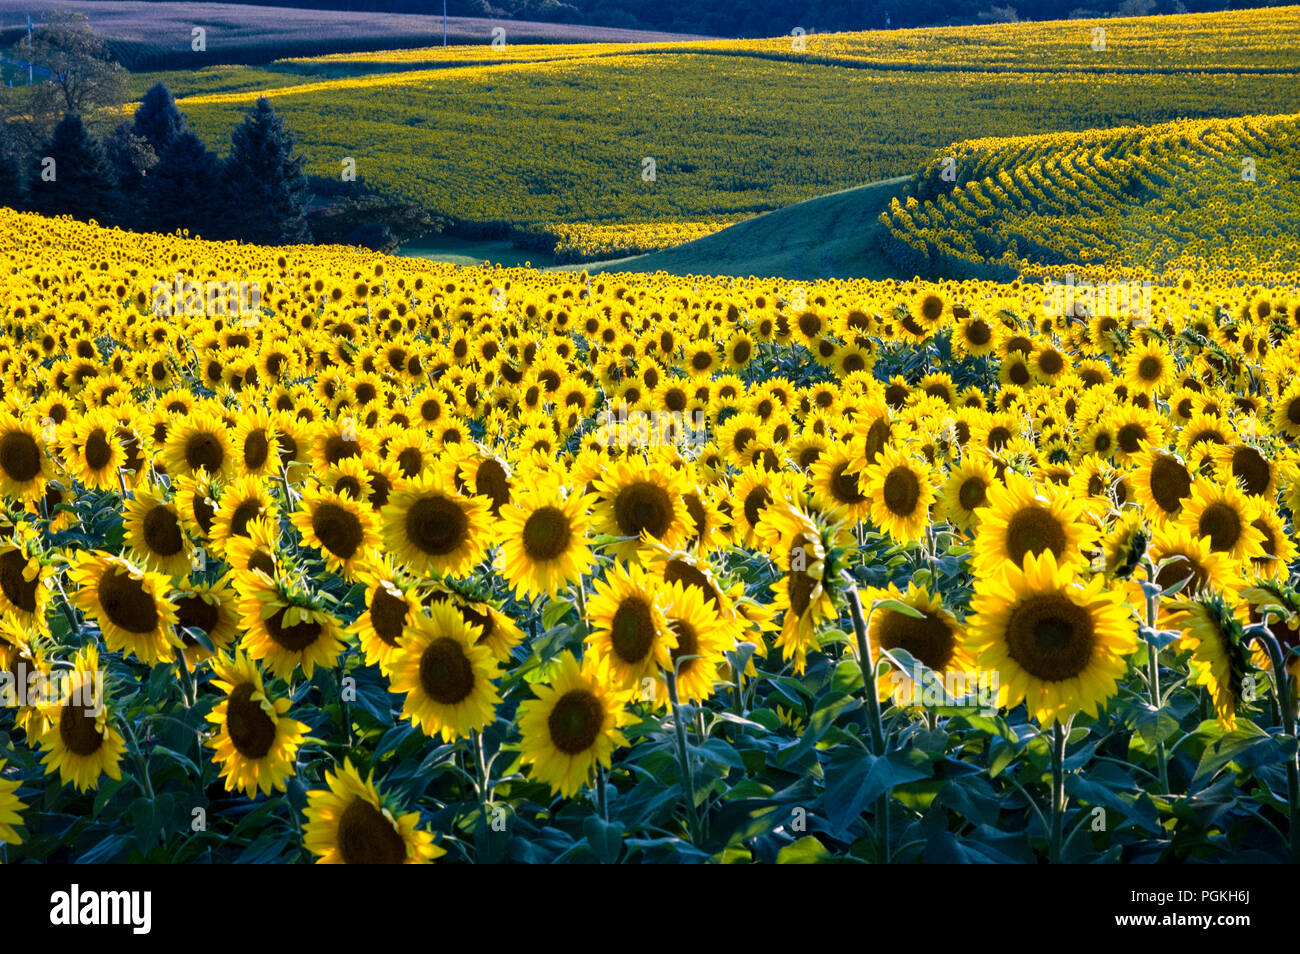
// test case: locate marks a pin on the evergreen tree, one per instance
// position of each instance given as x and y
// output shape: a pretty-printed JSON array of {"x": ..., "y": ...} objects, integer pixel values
[
  {"x": 264, "y": 187},
  {"x": 157, "y": 119},
  {"x": 11, "y": 172},
  {"x": 183, "y": 190},
  {"x": 80, "y": 181},
  {"x": 132, "y": 157}
]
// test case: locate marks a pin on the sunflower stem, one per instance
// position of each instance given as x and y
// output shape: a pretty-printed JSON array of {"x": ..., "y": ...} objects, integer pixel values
[
  {"x": 1153, "y": 671},
  {"x": 872, "y": 698},
  {"x": 1058, "y": 791},
  {"x": 602, "y": 797},
  {"x": 1286, "y": 702},
  {"x": 480, "y": 773},
  {"x": 688, "y": 776}
]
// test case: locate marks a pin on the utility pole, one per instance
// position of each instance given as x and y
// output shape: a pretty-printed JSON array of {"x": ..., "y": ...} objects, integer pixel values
[
  {"x": 29, "y": 49},
  {"x": 444, "y": 22}
]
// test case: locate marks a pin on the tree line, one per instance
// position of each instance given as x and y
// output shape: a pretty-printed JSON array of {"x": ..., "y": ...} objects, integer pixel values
[{"x": 153, "y": 173}]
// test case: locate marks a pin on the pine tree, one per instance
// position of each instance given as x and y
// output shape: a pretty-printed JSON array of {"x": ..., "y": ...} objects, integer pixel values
[
  {"x": 80, "y": 181},
  {"x": 11, "y": 172},
  {"x": 264, "y": 186},
  {"x": 157, "y": 119},
  {"x": 183, "y": 190}
]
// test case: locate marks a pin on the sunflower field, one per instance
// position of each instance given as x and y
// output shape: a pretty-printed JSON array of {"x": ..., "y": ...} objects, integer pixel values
[{"x": 385, "y": 561}]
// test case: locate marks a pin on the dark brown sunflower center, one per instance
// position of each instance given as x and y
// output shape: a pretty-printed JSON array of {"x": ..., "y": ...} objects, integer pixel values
[
  {"x": 203, "y": 451},
  {"x": 256, "y": 449},
  {"x": 388, "y": 615},
  {"x": 126, "y": 603},
  {"x": 929, "y": 639},
  {"x": 680, "y": 571},
  {"x": 366, "y": 837},
  {"x": 756, "y": 501},
  {"x": 1222, "y": 524},
  {"x": 844, "y": 486},
  {"x": 1034, "y": 530},
  {"x": 575, "y": 721},
  {"x": 77, "y": 731},
  {"x": 1051, "y": 637},
  {"x": 98, "y": 450},
  {"x": 293, "y": 638},
  {"x": 338, "y": 529},
  {"x": 1170, "y": 484},
  {"x": 446, "y": 675},
  {"x": 688, "y": 644},
  {"x": 632, "y": 631},
  {"x": 194, "y": 612},
  {"x": 436, "y": 525},
  {"x": 1251, "y": 468},
  {"x": 1149, "y": 368},
  {"x": 410, "y": 461},
  {"x": 492, "y": 481},
  {"x": 17, "y": 590},
  {"x": 902, "y": 491},
  {"x": 20, "y": 456},
  {"x": 546, "y": 534},
  {"x": 978, "y": 332},
  {"x": 742, "y": 437},
  {"x": 1051, "y": 362},
  {"x": 1130, "y": 436},
  {"x": 162, "y": 532},
  {"x": 252, "y": 731},
  {"x": 246, "y": 511},
  {"x": 972, "y": 493},
  {"x": 643, "y": 506}
]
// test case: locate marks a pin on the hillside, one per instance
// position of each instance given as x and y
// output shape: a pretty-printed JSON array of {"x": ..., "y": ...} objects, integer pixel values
[
  {"x": 1157, "y": 198},
  {"x": 539, "y": 139}
]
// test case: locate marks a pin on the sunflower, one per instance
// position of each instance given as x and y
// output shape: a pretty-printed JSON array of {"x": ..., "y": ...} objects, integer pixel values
[
  {"x": 285, "y": 628},
  {"x": 447, "y": 678},
  {"x": 93, "y": 454},
  {"x": 572, "y": 725},
  {"x": 753, "y": 494},
  {"x": 964, "y": 491},
  {"x": 638, "y": 500},
  {"x": 10, "y": 806},
  {"x": 154, "y": 532},
  {"x": 543, "y": 537},
  {"x": 1149, "y": 368},
  {"x": 432, "y": 528},
  {"x": 1057, "y": 642},
  {"x": 391, "y": 605},
  {"x": 129, "y": 603},
  {"x": 1226, "y": 516},
  {"x": 497, "y": 631},
  {"x": 1024, "y": 519},
  {"x": 350, "y": 823},
  {"x": 835, "y": 484},
  {"x": 199, "y": 443},
  {"x": 209, "y": 609},
  {"x": 798, "y": 545},
  {"x": 1214, "y": 632},
  {"x": 1286, "y": 411},
  {"x": 1161, "y": 483},
  {"x": 339, "y": 527},
  {"x": 22, "y": 662},
  {"x": 24, "y": 580},
  {"x": 933, "y": 638},
  {"x": 25, "y": 467},
  {"x": 702, "y": 638},
  {"x": 1278, "y": 545},
  {"x": 901, "y": 490},
  {"x": 81, "y": 743},
  {"x": 243, "y": 500},
  {"x": 256, "y": 743},
  {"x": 257, "y": 552},
  {"x": 628, "y": 628},
  {"x": 1253, "y": 472}
]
